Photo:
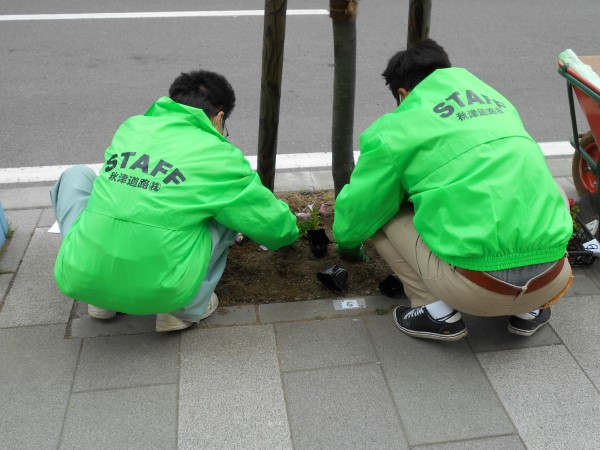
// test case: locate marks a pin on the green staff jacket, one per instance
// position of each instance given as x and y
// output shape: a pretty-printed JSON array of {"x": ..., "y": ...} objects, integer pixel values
[
  {"x": 484, "y": 198},
  {"x": 142, "y": 245}
]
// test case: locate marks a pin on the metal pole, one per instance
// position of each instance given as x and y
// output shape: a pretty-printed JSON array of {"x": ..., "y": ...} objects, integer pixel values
[
  {"x": 343, "y": 15},
  {"x": 270, "y": 89},
  {"x": 419, "y": 16}
]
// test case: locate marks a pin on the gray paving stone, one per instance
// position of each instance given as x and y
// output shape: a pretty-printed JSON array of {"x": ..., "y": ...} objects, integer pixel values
[
  {"x": 23, "y": 222},
  {"x": 568, "y": 186},
  {"x": 560, "y": 167},
  {"x": 230, "y": 392},
  {"x": 303, "y": 181},
  {"x": 592, "y": 272},
  {"x": 342, "y": 408},
  {"x": 137, "y": 418},
  {"x": 27, "y": 197},
  {"x": 583, "y": 284},
  {"x": 4, "y": 283},
  {"x": 87, "y": 327},
  {"x": 293, "y": 181},
  {"x": 34, "y": 298},
  {"x": 490, "y": 334},
  {"x": 79, "y": 309},
  {"x": 560, "y": 410},
  {"x": 430, "y": 381},
  {"x": 512, "y": 442},
  {"x": 47, "y": 219},
  {"x": 282, "y": 312},
  {"x": 323, "y": 343},
  {"x": 234, "y": 315},
  {"x": 38, "y": 366},
  {"x": 320, "y": 309},
  {"x": 576, "y": 322},
  {"x": 128, "y": 361},
  {"x": 322, "y": 180},
  {"x": 83, "y": 326}
]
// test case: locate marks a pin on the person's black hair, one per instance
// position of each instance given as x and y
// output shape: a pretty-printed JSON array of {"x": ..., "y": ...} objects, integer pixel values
[
  {"x": 408, "y": 68},
  {"x": 208, "y": 91}
]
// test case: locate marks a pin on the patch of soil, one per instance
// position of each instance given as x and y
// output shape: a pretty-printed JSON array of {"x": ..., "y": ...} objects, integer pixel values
[{"x": 254, "y": 276}]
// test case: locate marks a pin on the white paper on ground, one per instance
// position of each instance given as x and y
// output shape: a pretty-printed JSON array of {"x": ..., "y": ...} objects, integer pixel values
[
  {"x": 592, "y": 226},
  {"x": 54, "y": 228},
  {"x": 592, "y": 246}
]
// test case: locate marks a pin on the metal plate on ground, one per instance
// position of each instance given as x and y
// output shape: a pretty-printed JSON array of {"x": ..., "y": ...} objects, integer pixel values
[{"x": 351, "y": 303}]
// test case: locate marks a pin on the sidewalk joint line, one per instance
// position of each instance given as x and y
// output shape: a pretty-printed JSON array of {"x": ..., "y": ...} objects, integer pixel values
[{"x": 66, "y": 413}]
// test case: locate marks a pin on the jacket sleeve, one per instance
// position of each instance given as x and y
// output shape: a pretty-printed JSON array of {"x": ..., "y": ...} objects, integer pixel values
[
  {"x": 371, "y": 198},
  {"x": 248, "y": 207}
]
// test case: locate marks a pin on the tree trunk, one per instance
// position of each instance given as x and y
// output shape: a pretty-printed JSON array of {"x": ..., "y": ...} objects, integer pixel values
[
  {"x": 343, "y": 15},
  {"x": 270, "y": 89},
  {"x": 419, "y": 15}
]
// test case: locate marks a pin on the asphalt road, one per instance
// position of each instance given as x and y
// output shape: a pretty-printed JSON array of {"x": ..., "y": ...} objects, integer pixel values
[{"x": 65, "y": 85}]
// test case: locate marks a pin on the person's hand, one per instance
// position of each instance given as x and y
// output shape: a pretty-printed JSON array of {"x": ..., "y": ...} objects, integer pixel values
[{"x": 356, "y": 254}]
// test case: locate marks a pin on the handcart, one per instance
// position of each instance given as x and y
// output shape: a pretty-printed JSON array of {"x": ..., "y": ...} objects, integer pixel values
[
  {"x": 583, "y": 79},
  {"x": 582, "y": 74}
]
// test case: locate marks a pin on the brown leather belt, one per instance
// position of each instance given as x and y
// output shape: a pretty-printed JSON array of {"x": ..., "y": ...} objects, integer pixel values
[{"x": 493, "y": 284}]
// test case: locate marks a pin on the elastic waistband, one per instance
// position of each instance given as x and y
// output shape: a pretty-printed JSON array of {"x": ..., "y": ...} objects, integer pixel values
[{"x": 492, "y": 284}]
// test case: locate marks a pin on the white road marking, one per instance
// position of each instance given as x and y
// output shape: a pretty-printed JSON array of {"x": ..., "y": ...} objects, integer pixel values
[
  {"x": 290, "y": 161},
  {"x": 562, "y": 148},
  {"x": 156, "y": 15}
]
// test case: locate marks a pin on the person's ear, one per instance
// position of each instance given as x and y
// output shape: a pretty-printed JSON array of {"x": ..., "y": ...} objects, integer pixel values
[
  {"x": 218, "y": 121},
  {"x": 402, "y": 93}
]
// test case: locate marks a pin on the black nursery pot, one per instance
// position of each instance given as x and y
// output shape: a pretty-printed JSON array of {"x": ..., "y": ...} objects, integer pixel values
[
  {"x": 334, "y": 278},
  {"x": 391, "y": 286},
  {"x": 317, "y": 241}
]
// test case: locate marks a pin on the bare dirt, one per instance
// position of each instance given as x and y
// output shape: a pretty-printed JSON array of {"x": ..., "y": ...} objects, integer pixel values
[{"x": 254, "y": 276}]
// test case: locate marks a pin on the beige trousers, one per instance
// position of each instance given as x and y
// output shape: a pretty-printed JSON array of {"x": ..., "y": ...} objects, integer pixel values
[{"x": 427, "y": 279}]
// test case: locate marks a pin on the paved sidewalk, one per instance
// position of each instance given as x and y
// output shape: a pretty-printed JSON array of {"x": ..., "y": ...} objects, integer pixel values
[{"x": 281, "y": 376}]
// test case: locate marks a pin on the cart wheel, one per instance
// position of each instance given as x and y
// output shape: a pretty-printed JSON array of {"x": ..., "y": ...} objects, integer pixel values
[{"x": 584, "y": 177}]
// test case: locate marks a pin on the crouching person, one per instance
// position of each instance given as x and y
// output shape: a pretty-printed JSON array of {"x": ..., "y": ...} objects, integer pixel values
[
  {"x": 458, "y": 200},
  {"x": 150, "y": 234}
]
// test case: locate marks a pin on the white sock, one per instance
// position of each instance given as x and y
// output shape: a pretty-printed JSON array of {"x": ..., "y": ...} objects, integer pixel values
[
  {"x": 439, "y": 309},
  {"x": 530, "y": 315}
]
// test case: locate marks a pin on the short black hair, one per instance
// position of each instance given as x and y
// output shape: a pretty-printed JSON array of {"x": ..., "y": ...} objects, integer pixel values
[
  {"x": 208, "y": 91},
  {"x": 408, "y": 68}
]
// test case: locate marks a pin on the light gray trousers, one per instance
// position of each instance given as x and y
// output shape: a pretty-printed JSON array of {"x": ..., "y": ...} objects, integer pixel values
[{"x": 69, "y": 197}]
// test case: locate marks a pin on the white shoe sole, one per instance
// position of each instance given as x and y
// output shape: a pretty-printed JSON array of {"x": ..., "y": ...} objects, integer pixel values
[
  {"x": 169, "y": 322},
  {"x": 100, "y": 313},
  {"x": 435, "y": 336},
  {"x": 521, "y": 332}
]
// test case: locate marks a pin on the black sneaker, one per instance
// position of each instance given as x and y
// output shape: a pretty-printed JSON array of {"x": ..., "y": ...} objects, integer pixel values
[
  {"x": 418, "y": 322},
  {"x": 524, "y": 327}
]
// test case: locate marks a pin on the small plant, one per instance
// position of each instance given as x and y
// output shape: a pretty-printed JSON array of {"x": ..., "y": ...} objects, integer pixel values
[
  {"x": 574, "y": 209},
  {"x": 310, "y": 218},
  {"x": 10, "y": 232},
  {"x": 7, "y": 234}
]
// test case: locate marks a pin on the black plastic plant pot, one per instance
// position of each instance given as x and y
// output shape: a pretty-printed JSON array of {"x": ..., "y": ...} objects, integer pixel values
[
  {"x": 391, "y": 286},
  {"x": 317, "y": 241},
  {"x": 334, "y": 278}
]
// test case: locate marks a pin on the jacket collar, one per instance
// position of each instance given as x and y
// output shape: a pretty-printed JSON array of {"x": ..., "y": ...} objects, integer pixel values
[{"x": 165, "y": 107}]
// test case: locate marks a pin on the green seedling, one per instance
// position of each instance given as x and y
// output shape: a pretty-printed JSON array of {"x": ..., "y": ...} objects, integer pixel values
[
  {"x": 10, "y": 232},
  {"x": 310, "y": 218}
]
